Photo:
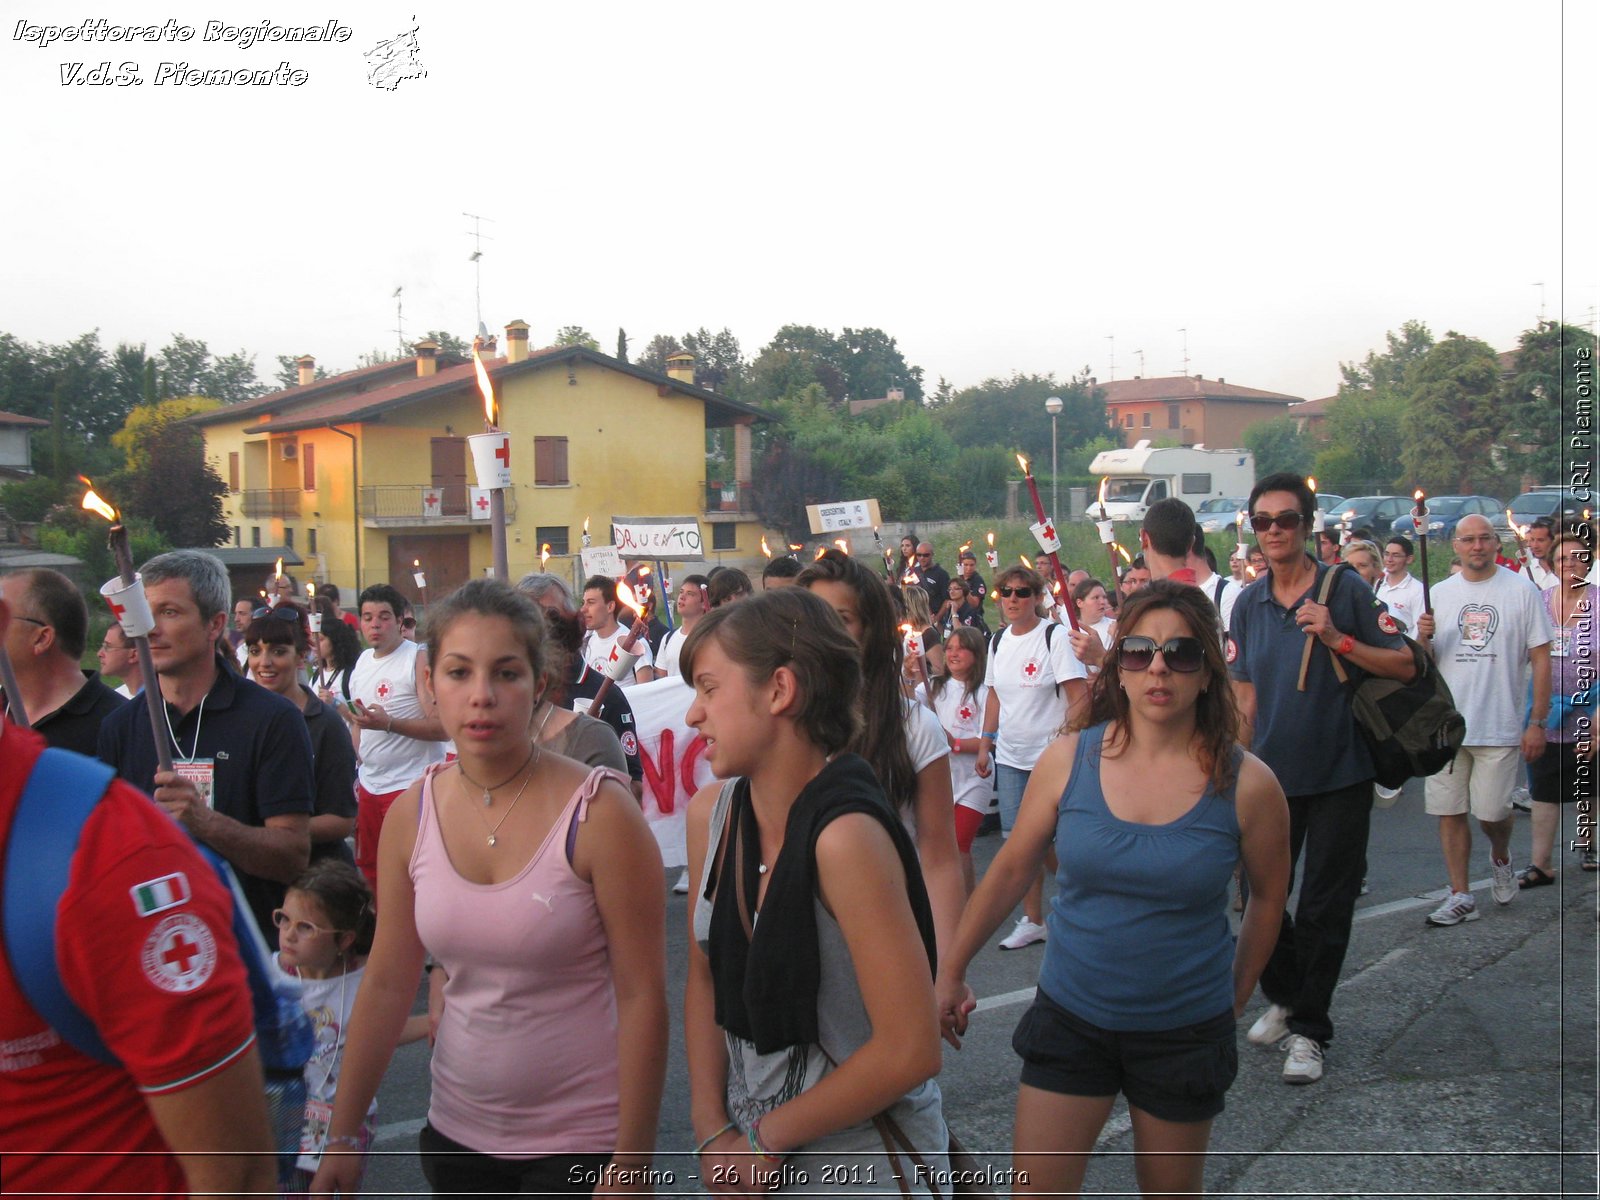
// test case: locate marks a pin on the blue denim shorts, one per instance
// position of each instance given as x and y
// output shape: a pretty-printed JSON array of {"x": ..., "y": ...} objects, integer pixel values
[{"x": 1012, "y": 782}]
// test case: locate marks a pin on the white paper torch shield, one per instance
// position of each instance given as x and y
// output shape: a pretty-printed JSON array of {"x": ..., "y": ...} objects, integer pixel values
[
  {"x": 1045, "y": 535},
  {"x": 992, "y": 557},
  {"x": 491, "y": 459},
  {"x": 129, "y": 606},
  {"x": 314, "y": 621},
  {"x": 1107, "y": 533}
]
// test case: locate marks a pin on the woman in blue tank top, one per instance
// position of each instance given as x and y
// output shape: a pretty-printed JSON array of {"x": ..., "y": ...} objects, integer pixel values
[{"x": 1150, "y": 804}]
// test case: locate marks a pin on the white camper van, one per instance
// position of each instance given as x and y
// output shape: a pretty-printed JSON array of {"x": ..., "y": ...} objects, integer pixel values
[{"x": 1140, "y": 475}]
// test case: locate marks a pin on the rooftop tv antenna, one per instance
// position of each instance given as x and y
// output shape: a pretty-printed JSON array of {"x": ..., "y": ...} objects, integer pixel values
[
  {"x": 1112, "y": 338},
  {"x": 1140, "y": 353},
  {"x": 399, "y": 323},
  {"x": 1540, "y": 286},
  {"x": 1185, "y": 332},
  {"x": 476, "y": 259}
]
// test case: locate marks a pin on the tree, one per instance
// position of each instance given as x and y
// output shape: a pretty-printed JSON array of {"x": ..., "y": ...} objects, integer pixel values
[
  {"x": 657, "y": 350},
  {"x": 1453, "y": 422},
  {"x": 288, "y": 374},
  {"x": 1278, "y": 445},
  {"x": 1365, "y": 437},
  {"x": 188, "y": 369},
  {"x": 1538, "y": 398},
  {"x": 873, "y": 364},
  {"x": 1387, "y": 371},
  {"x": 622, "y": 344},
  {"x": 450, "y": 344},
  {"x": 168, "y": 480},
  {"x": 795, "y": 358},
  {"x": 576, "y": 335},
  {"x": 1010, "y": 413},
  {"x": 719, "y": 364}
]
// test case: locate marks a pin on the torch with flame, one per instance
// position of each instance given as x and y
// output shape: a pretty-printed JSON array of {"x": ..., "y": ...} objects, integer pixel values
[
  {"x": 888, "y": 558},
  {"x": 991, "y": 555},
  {"x": 794, "y": 550},
  {"x": 915, "y": 651},
  {"x": 1419, "y": 516},
  {"x": 491, "y": 460},
  {"x": 1044, "y": 532},
  {"x": 843, "y": 544},
  {"x": 544, "y": 556},
  {"x": 586, "y": 539},
  {"x": 419, "y": 578},
  {"x": 766, "y": 550},
  {"x": 125, "y": 595}
]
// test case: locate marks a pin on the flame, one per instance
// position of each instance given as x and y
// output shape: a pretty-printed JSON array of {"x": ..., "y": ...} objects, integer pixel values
[
  {"x": 311, "y": 591},
  {"x": 277, "y": 571},
  {"x": 821, "y": 550},
  {"x": 842, "y": 544},
  {"x": 1240, "y": 521},
  {"x": 1103, "y": 481},
  {"x": 796, "y": 546},
  {"x": 262, "y": 592},
  {"x": 907, "y": 627},
  {"x": 909, "y": 580},
  {"x": 766, "y": 550},
  {"x": 990, "y": 536},
  {"x": 491, "y": 411},
  {"x": 1025, "y": 561},
  {"x": 1055, "y": 587},
  {"x": 626, "y": 597},
  {"x": 1418, "y": 496},
  {"x": 642, "y": 570},
  {"x": 1249, "y": 570},
  {"x": 93, "y": 503},
  {"x": 416, "y": 564},
  {"x": 965, "y": 546},
  {"x": 586, "y": 525},
  {"x": 994, "y": 593},
  {"x": 544, "y": 555},
  {"x": 1023, "y": 463},
  {"x": 1311, "y": 482},
  {"x": 1125, "y": 555}
]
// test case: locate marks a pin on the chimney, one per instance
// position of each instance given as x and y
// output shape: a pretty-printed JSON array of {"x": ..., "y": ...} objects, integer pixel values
[
  {"x": 680, "y": 366},
  {"x": 897, "y": 393},
  {"x": 427, "y": 357},
  {"x": 307, "y": 368},
  {"x": 517, "y": 342},
  {"x": 1222, "y": 379},
  {"x": 1093, "y": 381}
]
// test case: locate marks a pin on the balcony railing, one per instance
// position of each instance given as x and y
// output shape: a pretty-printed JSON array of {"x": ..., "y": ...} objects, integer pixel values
[
  {"x": 729, "y": 498},
  {"x": 270, "y": 504},
  {"x": 421, "y": 504}
]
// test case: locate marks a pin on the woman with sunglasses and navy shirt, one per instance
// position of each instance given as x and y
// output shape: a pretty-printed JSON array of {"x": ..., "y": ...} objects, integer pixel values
[
  {"x": 1034, "y": 681},
  {"x": 1150, "y": 803}
]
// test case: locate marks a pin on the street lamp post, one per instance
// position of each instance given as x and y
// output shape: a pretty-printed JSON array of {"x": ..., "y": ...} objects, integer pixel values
[{"x": 1053, "y": 407}]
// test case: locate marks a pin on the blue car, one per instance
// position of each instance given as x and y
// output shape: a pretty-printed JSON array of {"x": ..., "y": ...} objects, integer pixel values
[{"x": 1445, "y": 511}]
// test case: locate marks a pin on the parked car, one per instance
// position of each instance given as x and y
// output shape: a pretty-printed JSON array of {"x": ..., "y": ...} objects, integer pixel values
[
  {"x": 1327, "y": 503},
  {"x": 1373, "y": 513},
  {"x": 1445, "y": 511},
  {"x": 1558, "y": 503},
  {"x": 1220, "y": 513}
]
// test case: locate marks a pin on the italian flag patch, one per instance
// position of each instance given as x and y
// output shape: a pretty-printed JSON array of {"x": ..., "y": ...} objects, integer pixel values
[{"x": 158, "y": 895}]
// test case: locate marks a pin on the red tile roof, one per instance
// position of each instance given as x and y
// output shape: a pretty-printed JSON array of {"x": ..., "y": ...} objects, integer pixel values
[
  {"x": 362, "y": 379},
  {"x": 1182, "y": 387},
  {"x": 1312, "y": 408},
  {"x": 11, "y": 418},
  {"x": 342, "y": 408}
]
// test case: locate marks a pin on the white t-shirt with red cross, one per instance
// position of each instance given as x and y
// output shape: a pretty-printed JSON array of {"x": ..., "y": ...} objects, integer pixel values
[
  {"x": 391, "y": 762},
  {"x": 961, "y": 716},
  {"x": 1024, "y": 671}
]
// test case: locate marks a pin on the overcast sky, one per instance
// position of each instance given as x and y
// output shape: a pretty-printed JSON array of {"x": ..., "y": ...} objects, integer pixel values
[{"x": 1000, "y": 188}]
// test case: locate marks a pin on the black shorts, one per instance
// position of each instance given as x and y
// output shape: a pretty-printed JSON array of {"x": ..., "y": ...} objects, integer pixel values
[
  {"x": 1557, "y": 777},
  {"x": 1173, "y": 1074}
]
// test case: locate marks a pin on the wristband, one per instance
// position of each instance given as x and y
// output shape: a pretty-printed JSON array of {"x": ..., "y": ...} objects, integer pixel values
[
  {"x": 1346, "y": 644},
  {"x": 341, "y": 1140},
  {"x": 700, "y": 1149},
  {"x": 755, "y": 1144},
  {"x": 989, "y": 737},
  {"x": 389, "y": 728}
]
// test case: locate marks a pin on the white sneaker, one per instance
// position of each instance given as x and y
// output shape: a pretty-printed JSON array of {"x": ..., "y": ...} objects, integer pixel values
[
  {"x": 681, "y": 888},
  {"x": 1458, "y": 908},
  {"x": 1521, "y": 799},
  {"x": 1025, "y": 934},
  {"x": 1272, "y": 1026},
  {"x": 1385, "y": 796},
  {"x": 1304, "y": 1064},
  {"x": 1504, "y": 888}
]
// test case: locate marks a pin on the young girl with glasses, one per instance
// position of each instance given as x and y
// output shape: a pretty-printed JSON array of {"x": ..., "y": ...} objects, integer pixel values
[
  {"x": 808, "y": 1009},
  {"x": 1151, "y": 803},
  {"x": 537, "y": 886},
  {"x": 1035, "y": 681},
  {"x": 324, "y": 934}
]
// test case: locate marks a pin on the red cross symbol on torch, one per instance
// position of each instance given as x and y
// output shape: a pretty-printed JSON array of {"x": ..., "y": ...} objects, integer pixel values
[
  {"x": 504, "y": 453},
  {"x": 116, "y": 609}
]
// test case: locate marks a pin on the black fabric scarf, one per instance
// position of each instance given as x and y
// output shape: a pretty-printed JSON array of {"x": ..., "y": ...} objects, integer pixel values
[{"x": 766, "y": 986}]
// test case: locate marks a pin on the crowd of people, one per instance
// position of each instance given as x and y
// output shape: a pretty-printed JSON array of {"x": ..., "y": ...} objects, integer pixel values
[{"x": 461, "y": 802}]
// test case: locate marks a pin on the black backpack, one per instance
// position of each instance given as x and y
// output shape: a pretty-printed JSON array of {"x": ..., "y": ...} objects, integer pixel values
[{"x": 1412, "y": 729}]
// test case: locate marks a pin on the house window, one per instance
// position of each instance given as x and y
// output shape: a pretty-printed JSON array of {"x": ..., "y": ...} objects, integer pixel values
[
  {"x": 1127, "y": 421},
  {"x": 288, "y": 538},
  {"x": 308, "y": 455},
  {"x": 555, "y": 536},
  {"x": 311, "y": 541},
  {"x": 725, "y": 537},
  {"x": 1172, "y": 417},
  {"x": 255, "y": 535},
  {"x": 238, "y": 536},
  {"x": 1146, "y": 421},
  {"x": 550, "y": 461},
  {"x": 233, "y": 470}
]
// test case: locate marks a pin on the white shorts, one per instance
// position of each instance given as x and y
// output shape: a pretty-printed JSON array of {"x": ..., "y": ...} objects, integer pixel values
[{"x": 1480, "y": 780}]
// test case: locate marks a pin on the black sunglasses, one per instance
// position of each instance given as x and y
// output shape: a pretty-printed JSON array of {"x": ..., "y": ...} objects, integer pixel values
[
  {"x": 1021, "y": 593},
  {"x": 1286, "y": 521},
  {"x": 1185, "y": 655},
  {"x": 289, "y": 614}
]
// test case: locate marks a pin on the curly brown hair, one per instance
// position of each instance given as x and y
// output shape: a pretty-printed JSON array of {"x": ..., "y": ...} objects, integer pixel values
[{"x": 1216, "y": 725}]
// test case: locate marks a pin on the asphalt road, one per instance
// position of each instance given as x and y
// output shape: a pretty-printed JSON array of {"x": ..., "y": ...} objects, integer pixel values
[{"x": 1464, "y": 1061}]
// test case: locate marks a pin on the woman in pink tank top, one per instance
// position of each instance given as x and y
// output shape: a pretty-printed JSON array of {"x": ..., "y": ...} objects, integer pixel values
[{"x": 538, "y": 888}]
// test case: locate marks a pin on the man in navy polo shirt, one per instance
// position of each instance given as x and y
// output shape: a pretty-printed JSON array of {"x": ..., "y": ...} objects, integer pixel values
[
  {"x": 1310, "y": 740},
  {"x": 241, "y": 780}
]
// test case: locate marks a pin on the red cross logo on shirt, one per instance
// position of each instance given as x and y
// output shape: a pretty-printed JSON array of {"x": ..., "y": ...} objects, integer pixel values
[
  {"x": 383, "y": 690},
  {"x": 181, "y": 953},
  {"x": 504, "y": 453},
  {"x": 1030, "y": 669},
  {"x": 482, "y": 503},
  {"x": 116, "y": 609},
  {"x": 966, "y": 712}
]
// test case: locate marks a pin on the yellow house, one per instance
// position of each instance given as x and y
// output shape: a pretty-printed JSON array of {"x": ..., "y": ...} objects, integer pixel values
[{"x": 364, "y": 473}]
